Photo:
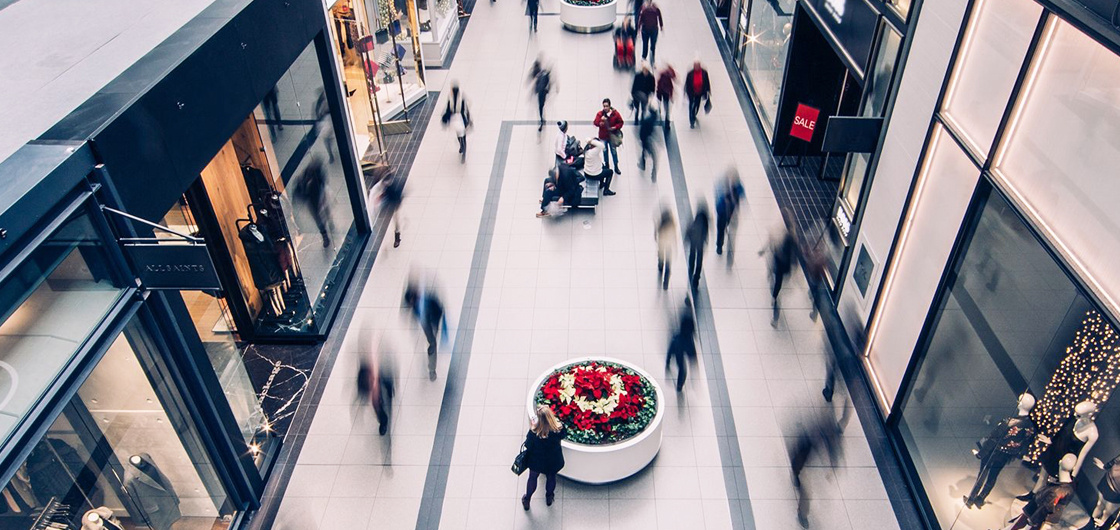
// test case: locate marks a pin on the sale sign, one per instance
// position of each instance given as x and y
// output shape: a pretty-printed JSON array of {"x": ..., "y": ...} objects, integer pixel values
[{"x": 804, "y": 122}]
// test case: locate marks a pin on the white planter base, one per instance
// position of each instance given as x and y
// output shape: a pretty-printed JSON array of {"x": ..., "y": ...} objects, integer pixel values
[
  {"x": 588, "y": 19},
  {"x": 600, "y": 464}
]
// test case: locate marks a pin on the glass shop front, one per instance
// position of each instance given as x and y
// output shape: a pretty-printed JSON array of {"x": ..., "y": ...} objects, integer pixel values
[{"x": 1008, "y": 409}]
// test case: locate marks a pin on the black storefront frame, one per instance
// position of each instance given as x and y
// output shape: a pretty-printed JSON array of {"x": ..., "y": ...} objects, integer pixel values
[
  {"x": 130, "y": 306},
  {"x": 987, "y": 185}
]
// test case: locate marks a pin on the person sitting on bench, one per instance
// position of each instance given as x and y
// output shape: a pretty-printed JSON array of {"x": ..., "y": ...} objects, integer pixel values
[
  {"x": 568, "y": 182},
  {"x": 549, "y": 195},
  {"x": 593, "y": 159}
]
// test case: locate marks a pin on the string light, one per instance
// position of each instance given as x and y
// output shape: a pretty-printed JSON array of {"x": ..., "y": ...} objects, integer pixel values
[{"x": 1090, "y": 372}]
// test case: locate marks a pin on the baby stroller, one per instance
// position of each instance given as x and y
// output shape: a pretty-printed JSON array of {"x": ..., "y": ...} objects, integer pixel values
[{"x": 624, "y": 47}]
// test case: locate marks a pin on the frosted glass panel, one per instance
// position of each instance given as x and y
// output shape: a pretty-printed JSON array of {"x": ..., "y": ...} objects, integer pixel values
[
  {"x": 991, "y": 57},
  {"x": 1062, "y": 152},
  {"x": 948, "y": 181}
]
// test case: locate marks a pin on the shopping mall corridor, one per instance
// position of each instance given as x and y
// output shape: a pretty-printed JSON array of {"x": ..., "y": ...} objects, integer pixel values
[{"x": 524, "y": 294}]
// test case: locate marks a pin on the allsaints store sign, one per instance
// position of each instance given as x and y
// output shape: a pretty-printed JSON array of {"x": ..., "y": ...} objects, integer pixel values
[{"x": 164, "y": 266}]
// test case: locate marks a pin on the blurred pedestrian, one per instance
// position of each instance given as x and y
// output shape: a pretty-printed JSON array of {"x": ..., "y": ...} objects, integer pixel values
[
  {"x": 636, "y": 8},
  {"x": 666, "y": 236},
  {"x": 392, "y": 195},
  {"x": 696, "y": 236},
  {"x": 382, "y": 389},
  {"x": 641, "y": 90},
  {"x": 647, "y": 126},
  {"x": 458, "y": 117},
  {"x": 540, "y": 77},
  {"x": 610, "y": 123},
  {"x": 820, "y": 433},
  {"x": 624, "y": 36},
  {"x": 815, "y": 264},
  {"x": 783, "y": 252},
  {"x": 682, "y": 345},
  {"x": 650, "y": 24},
  {"x": 543, "y": 454},
  {"x": 322, "y": 125},
  {"x": 426, "y": 306},
  {"x": 697, "y": 87},
  {"x": 312, "y": 191},
  {"x": 531, "y": 8},
  {"x": 729, "y": 195},
  {"x": 666, "y": 79}
]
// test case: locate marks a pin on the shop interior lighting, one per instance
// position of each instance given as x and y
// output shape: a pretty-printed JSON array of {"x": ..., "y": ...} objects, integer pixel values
[{"x": 1090, "y": 372}]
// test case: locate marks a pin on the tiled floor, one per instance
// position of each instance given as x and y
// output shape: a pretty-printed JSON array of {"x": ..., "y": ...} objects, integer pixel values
[{"x": 551, "y": 290}]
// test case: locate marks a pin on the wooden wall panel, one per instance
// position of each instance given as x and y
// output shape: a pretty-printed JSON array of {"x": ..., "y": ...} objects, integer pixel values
[{"x": 228, "y": 196}]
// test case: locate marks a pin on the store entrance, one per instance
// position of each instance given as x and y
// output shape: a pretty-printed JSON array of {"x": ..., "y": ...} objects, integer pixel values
[{"x": 816, "y": 77}]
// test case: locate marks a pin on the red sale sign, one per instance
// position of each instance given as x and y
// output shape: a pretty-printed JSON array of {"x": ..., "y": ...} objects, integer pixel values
[{"x": 804, "y": 122}]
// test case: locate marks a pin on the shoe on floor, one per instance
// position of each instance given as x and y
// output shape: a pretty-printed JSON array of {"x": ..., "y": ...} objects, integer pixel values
[
  {"x": 525, "y": 502},
  {"x": 432, "y": 375},
  {"x": 609, "y": 192},
  {"x": 548, "y": 498}
]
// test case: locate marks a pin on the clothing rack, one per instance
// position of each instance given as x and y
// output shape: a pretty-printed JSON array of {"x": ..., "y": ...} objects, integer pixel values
[{"x": 55, "y": 516}]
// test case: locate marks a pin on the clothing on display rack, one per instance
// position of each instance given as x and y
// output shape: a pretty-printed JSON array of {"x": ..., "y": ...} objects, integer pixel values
[
  {"x": 55, "y": 515},
  {"x": 260, "y": 250},
  {"x": 152, "y": 491}
]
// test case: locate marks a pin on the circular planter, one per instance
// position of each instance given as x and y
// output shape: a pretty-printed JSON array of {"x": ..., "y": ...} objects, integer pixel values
[
  {"x": 588, "y": 19},
  {"x": 600, "y": 464}
]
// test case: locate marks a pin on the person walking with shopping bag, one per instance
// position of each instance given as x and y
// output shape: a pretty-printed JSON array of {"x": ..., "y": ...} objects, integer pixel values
[
  {"x": 542, "y": 454},
  {"x": 458, "y": 117}
]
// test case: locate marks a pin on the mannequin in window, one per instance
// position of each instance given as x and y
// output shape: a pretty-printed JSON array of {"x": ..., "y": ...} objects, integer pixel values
[
  {"x": 151, "y": 489},
  {"x": 1009, "y": 440},
  {"x": 1108, "y": 496},
  {"x": 1049, "y": 502},
  {"x": 1077, "y": 437},
  {"x": 100, "y": 519}
]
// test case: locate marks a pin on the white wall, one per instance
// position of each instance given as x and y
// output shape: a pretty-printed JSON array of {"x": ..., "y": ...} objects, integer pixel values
[{"x": 935, "y": 35}]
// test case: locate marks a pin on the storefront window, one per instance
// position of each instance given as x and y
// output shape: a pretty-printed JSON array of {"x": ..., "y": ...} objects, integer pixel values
[
  {"x": 217, "y": 331},
  {"x": 991, "y": 56},
  {"x": 902, "y": 7},
  {"x": 51, "y": 302},
  {"x": 299, "y": 200},
  {"x": 379, "y": 67},
  {"x": 764, "y": 51},
  {"x": 122, "y": 450},
  {"x": 1060, "y": 152},
  {"x": 1010, "y": 321},
  {"x": 435, "y": 16}
]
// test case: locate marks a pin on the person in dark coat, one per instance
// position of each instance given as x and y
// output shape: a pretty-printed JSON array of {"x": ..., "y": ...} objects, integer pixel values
[
  {"x": 783, "y": 252},
  {"x": 312, "y": 190},
  {"x": 697, "y": 87},
  {"x": 428, "y": 310},
  {"x": 665, "y": 89},
  {"x": 696, "y": 237},
  {"x": 531, "y": 9},
  {"x": 549, "y": 195},
  {"x": 392, "y": 195},
  {"x": 650, "y": 24},
  {"x": 648, "y": 140},
  {"x": 544, "y": 455},
  {"x": 729, "y": 194},
  {"x": 568, "y": 185},
  {"x": 641, "y": 90},
  {"x": 682, "y": 346}
]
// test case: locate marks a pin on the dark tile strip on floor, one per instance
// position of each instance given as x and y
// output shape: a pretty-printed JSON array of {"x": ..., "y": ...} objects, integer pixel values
[
  {"x": 265, "y": 516},
  {"x": 727, "y": 436},
  {"x": 887, "y": 459},
  {"x": 439, "y": 464}
]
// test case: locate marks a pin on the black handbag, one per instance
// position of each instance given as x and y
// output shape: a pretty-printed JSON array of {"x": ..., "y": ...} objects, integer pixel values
[{"x": 519, "y": 464}]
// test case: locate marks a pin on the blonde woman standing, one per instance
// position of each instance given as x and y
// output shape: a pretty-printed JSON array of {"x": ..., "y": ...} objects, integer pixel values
[{"x": 543, "y": 454}]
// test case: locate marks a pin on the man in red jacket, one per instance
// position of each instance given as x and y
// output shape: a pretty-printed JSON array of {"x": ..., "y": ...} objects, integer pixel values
[
  {"x": 697, "y": 87},
  {"x": 609, "y": 122}
]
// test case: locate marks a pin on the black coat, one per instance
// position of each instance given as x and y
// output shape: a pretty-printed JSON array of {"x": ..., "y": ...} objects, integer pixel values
[{"x": 544, "y": 454}]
